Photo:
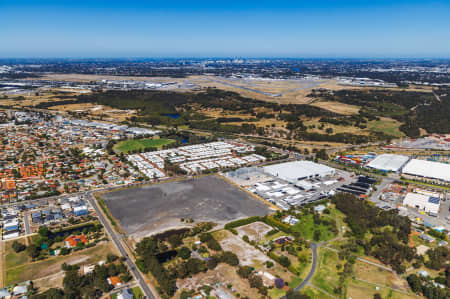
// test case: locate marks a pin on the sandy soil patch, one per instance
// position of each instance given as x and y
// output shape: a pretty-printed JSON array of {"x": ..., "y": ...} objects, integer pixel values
[
  {"x": 422, "y": 249},
  {"x": 223, "y": 274},
  {"x": 255, "y": 231},
  {"x": 248, "y": 255}
]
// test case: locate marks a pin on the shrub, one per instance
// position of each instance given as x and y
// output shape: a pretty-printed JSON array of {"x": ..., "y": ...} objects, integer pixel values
[{"x": 18, "y": 247}]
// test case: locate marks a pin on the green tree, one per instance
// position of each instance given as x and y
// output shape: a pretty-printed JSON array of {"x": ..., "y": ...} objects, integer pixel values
[
  {"x": 184, "y": 253},
  {"x": 33, "y": 251},
  {"x": 175, "y": 240},
  {"x": 44, "y": 231},
  {"x": 18, "y": 247},
  {"x": 284, "y": 261}
]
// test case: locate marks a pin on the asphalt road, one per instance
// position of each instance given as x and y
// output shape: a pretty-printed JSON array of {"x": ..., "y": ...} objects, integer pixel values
[
  {"x": 313, "y": 268},
  {"x": 115, "y": 238},
  {"x": 311, "y": 272},
  {"x": 27, "y": 224}
]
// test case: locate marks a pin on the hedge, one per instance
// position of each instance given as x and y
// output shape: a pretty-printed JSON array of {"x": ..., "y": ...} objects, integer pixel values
[
  {"x": 275, "y": 223},
  {"x": 242, "y": 222}
]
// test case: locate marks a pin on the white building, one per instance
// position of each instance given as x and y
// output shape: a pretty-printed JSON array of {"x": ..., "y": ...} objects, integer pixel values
[
  {"x": 422, "y": 202},
  {"x": 298, "y": 170},
  {"x": 428, "y": 170},
  {"x": 388, "y": 162}
]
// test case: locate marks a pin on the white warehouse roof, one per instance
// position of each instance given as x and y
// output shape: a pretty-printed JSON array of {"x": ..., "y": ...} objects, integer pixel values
[
  {"x": 298, "y": 170},
  {"x": 422, "y": 202},
  {"x": 388, "y": 162},
  {"x": 428, "y": 169}
]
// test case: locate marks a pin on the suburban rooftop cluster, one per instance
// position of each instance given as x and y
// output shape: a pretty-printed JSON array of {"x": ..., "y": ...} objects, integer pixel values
[
  {"x": 43, "y": 155},
  {"x": 196, "y": 158}
]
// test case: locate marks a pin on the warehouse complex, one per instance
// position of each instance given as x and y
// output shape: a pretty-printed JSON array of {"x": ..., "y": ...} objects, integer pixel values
[
  {"x": 422, "y": 200},
  {"x": 298, "y": 170},
  {"x": 428, "y": 170},
  {"x": 388, "y": 162}
]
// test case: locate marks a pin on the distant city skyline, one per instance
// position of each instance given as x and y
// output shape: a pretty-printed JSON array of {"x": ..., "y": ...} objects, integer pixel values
[{"x": 258, "y": 29}]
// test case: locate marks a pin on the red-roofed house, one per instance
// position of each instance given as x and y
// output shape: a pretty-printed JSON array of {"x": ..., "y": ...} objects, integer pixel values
[{"x": 73, "y": 241}]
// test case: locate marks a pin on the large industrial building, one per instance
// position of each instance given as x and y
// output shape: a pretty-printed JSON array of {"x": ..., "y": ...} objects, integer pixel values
[
  {"x": 298, "y": 170},
  {"x": 422, "y": 200},
  {"x": 388, "y": 162},
  {"x": 428, "y": 170}
]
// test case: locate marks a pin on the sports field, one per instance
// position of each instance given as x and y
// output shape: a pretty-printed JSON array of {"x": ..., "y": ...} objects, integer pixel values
[{"x": 140, "y": 144}]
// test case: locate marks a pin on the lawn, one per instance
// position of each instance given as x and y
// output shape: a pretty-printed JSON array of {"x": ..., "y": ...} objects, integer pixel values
[
  {"x": 14, "y": 259},
  {"x": 140, "y": 144},
  {"x": 52, "y": 265},
  {"x": 276, "y": 293},
  {"x": 326, "y": 277},
  {"x": 137, "y": 292},
  {"x": 306, "y": 228}
]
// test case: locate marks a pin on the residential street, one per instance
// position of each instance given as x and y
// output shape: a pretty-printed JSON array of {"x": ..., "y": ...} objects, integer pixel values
[{"x": 116, "y": 240}]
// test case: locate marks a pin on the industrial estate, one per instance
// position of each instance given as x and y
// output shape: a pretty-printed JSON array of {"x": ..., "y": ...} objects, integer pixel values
[{"x": 224, "y": 179}]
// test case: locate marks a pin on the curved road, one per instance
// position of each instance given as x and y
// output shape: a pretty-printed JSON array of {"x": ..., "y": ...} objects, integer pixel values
[{"x": 314, "y": 247}]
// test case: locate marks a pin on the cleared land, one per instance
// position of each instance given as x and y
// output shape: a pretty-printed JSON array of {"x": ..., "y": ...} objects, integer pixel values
[
  {"x": 154, "y": 208},
  {"x": 140, "y": 144},
  {"x": 223, "y": 274},
  {"x": 360, "y": 289},
  {"x": 379, "y": 276},
  {"x": 248, "y": 255},
  {"x": 40, "y": 269},
  {"x": 255, "y": 231}
]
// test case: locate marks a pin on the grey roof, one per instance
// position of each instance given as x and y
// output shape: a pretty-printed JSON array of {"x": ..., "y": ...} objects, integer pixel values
[
  {"x": 388, "y": 162},
  {"x": 293, "y": 171},
  {"x": 4, "y": 293},
  {"x": 126, "y": 294}
]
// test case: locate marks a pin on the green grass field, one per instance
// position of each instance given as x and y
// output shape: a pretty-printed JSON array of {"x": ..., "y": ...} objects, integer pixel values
[
  {"x": 386, "y": 126},
  {"x": 306, "y": 228},
  {"x": 137, "y": 292},
  {"x": 326, "y": 276},
  {"x": 14, "y": 259},
  {"x": 314, "y": 293},
  {"x": 138, "y": 144}
]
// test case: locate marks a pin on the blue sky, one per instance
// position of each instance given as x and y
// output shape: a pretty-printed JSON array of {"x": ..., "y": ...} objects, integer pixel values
[{"x": 278, "y": 28}]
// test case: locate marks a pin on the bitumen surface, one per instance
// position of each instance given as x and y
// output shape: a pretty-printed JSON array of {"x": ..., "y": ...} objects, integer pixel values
[{"x": 155, "y": 208}]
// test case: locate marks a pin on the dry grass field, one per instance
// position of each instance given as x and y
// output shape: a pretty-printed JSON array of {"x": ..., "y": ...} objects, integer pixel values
[
  {"x": 379, "y": 276},
  {"x": 337, "y": 107},
  {"x": 40, "y": 269}
]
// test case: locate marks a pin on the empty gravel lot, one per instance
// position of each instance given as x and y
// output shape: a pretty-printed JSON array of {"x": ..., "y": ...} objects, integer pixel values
[{"x": 155, "y": 208}]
